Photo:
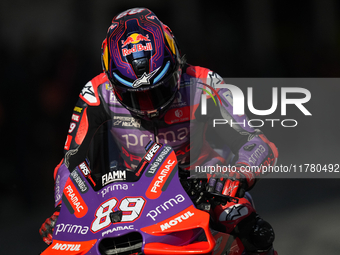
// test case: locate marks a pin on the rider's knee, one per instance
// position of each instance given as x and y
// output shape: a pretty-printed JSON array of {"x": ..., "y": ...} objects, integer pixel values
[{"x": 256, "y": 234}]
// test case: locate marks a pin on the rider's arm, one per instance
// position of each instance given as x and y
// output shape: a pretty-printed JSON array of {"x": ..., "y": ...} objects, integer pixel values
[
  {"x": 88, "y": 114},
  {"x": 250, "y": 146}
]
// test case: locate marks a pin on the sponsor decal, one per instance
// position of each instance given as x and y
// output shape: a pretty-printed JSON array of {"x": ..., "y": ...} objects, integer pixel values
[
  {"x": 118, "y": 175},
  {"x": 113, "y": 99},
  {"x": 156, "y": 187},
  {"x": 84, "y": 168},
  {"x": 249, "y": 147},
  {"x": 176, "y": 220},
  {"x": 135, "y": 38},
  {"x": 152, "y": 152},
  {"x": 57, "y": 195},
  {"x": 75, "y": 203},
  {"x": 119, "y": 228},
  {"x": 178, "y": 102},
  {"x": 82, "y": 128},
  {"x": 75, "y": 117},
  {"x": 73, "y": 229},
  {"x": 180, "y": 134},
  {"x": 137, "y": 48},
  {"x": 86, "y": 172},
  {"x": 154, "y": 166},
  {"x": 113, "y": 187},
  {"x": 233, "y": 212},
  {"x": 76, "y": 178},
  {"x": 88, "y": 93},
  {"x": 256, "y": 155},
  {"x": 66, "y": 247},
  {"x": 123, "y": 121},
  {"x": 77, "y": 109},
  {"x": 177, "y": 115},
  {"x": 131, "y": 156},
  {"x": 184, "y": 220},
  {"x": 132, "y": 140},
  {"x": 68, "y": 142},
  {"x": 63, "y": 246},
  {"x": 144, "y": 79},
  {"x": 165, "y": 206},
  {"x": 108, "y": 87}
]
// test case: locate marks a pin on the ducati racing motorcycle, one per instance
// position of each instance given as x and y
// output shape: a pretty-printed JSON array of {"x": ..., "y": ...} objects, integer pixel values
[{"x": 109, "y": 209}]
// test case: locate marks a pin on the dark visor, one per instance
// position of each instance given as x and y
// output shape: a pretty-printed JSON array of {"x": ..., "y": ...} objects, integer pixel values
[{"x": 149, "y": 98}]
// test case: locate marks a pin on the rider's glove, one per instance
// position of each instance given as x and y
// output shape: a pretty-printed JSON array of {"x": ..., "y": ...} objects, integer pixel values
[
  {"x": 47, "y": 228},
  {"x": 234, "y": 184}
]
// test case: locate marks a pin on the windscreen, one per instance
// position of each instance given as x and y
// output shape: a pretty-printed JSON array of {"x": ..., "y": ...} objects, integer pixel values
[{"x": 104, "y": 162}]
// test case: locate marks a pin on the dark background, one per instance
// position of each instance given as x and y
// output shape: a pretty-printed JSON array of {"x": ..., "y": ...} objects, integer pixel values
[{"x": 50, "y": 49}]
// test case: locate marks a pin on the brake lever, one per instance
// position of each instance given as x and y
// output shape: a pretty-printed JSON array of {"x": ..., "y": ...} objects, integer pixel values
[{"x": 223, "y": 199}]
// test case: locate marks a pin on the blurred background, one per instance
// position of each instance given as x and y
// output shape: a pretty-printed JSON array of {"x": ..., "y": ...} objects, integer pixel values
[{"x": 50, "y": 49}]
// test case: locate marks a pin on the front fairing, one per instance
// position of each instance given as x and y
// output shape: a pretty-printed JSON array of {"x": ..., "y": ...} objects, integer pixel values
[{"x": 150, "y": 198}]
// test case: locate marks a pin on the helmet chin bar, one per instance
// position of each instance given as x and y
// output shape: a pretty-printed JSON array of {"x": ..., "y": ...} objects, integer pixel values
[
  {"x": 149, "y": 115},
  {"x": 152, "y": 114},
  {"x": 146, "y": 115}
]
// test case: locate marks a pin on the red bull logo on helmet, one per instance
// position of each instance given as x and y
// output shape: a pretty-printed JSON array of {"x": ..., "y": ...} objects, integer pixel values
[{"x": 135, "y": 39}]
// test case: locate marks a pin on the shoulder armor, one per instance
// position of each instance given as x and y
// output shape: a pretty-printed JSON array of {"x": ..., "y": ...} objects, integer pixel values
[{"x": 90, "y": 91}]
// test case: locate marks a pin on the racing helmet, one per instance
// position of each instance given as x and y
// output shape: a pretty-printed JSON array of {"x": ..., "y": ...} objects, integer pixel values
[{"x": 141, "y": 59}]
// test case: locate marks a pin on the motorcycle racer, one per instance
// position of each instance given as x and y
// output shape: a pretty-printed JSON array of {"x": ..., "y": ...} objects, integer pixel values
[{"x": 150, "y": 93}]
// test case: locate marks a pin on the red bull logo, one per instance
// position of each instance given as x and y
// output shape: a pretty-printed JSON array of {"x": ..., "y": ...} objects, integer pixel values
[
  {"x": 135, "y": 38},
  {"x": 136, "y": 47}
]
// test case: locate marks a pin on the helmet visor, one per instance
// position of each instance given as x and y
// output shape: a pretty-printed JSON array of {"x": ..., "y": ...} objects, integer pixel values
[{"x": 146, "y": 99}]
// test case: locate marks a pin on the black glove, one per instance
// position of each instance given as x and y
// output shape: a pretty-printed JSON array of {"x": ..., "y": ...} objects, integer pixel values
[{"x": 47, "y": 228}]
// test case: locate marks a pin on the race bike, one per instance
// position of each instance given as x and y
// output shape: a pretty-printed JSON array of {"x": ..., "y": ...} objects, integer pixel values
[{"x": 107, "y": 208}]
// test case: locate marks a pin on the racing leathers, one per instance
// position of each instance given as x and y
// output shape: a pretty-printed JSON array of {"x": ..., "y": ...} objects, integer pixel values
[{"x": 182, "y": 126}]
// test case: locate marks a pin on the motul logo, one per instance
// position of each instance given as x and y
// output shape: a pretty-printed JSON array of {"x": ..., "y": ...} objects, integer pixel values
[
  {"x": 175, "y": 221},
  {"x": 66, "y": 247}
]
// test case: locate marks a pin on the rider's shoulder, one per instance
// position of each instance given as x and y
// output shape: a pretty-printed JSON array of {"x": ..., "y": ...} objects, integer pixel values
[
  {"x": 89, "y": 92},
  {"x": 197, "y": 71},
  {"x": 99, "y": 79}
]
